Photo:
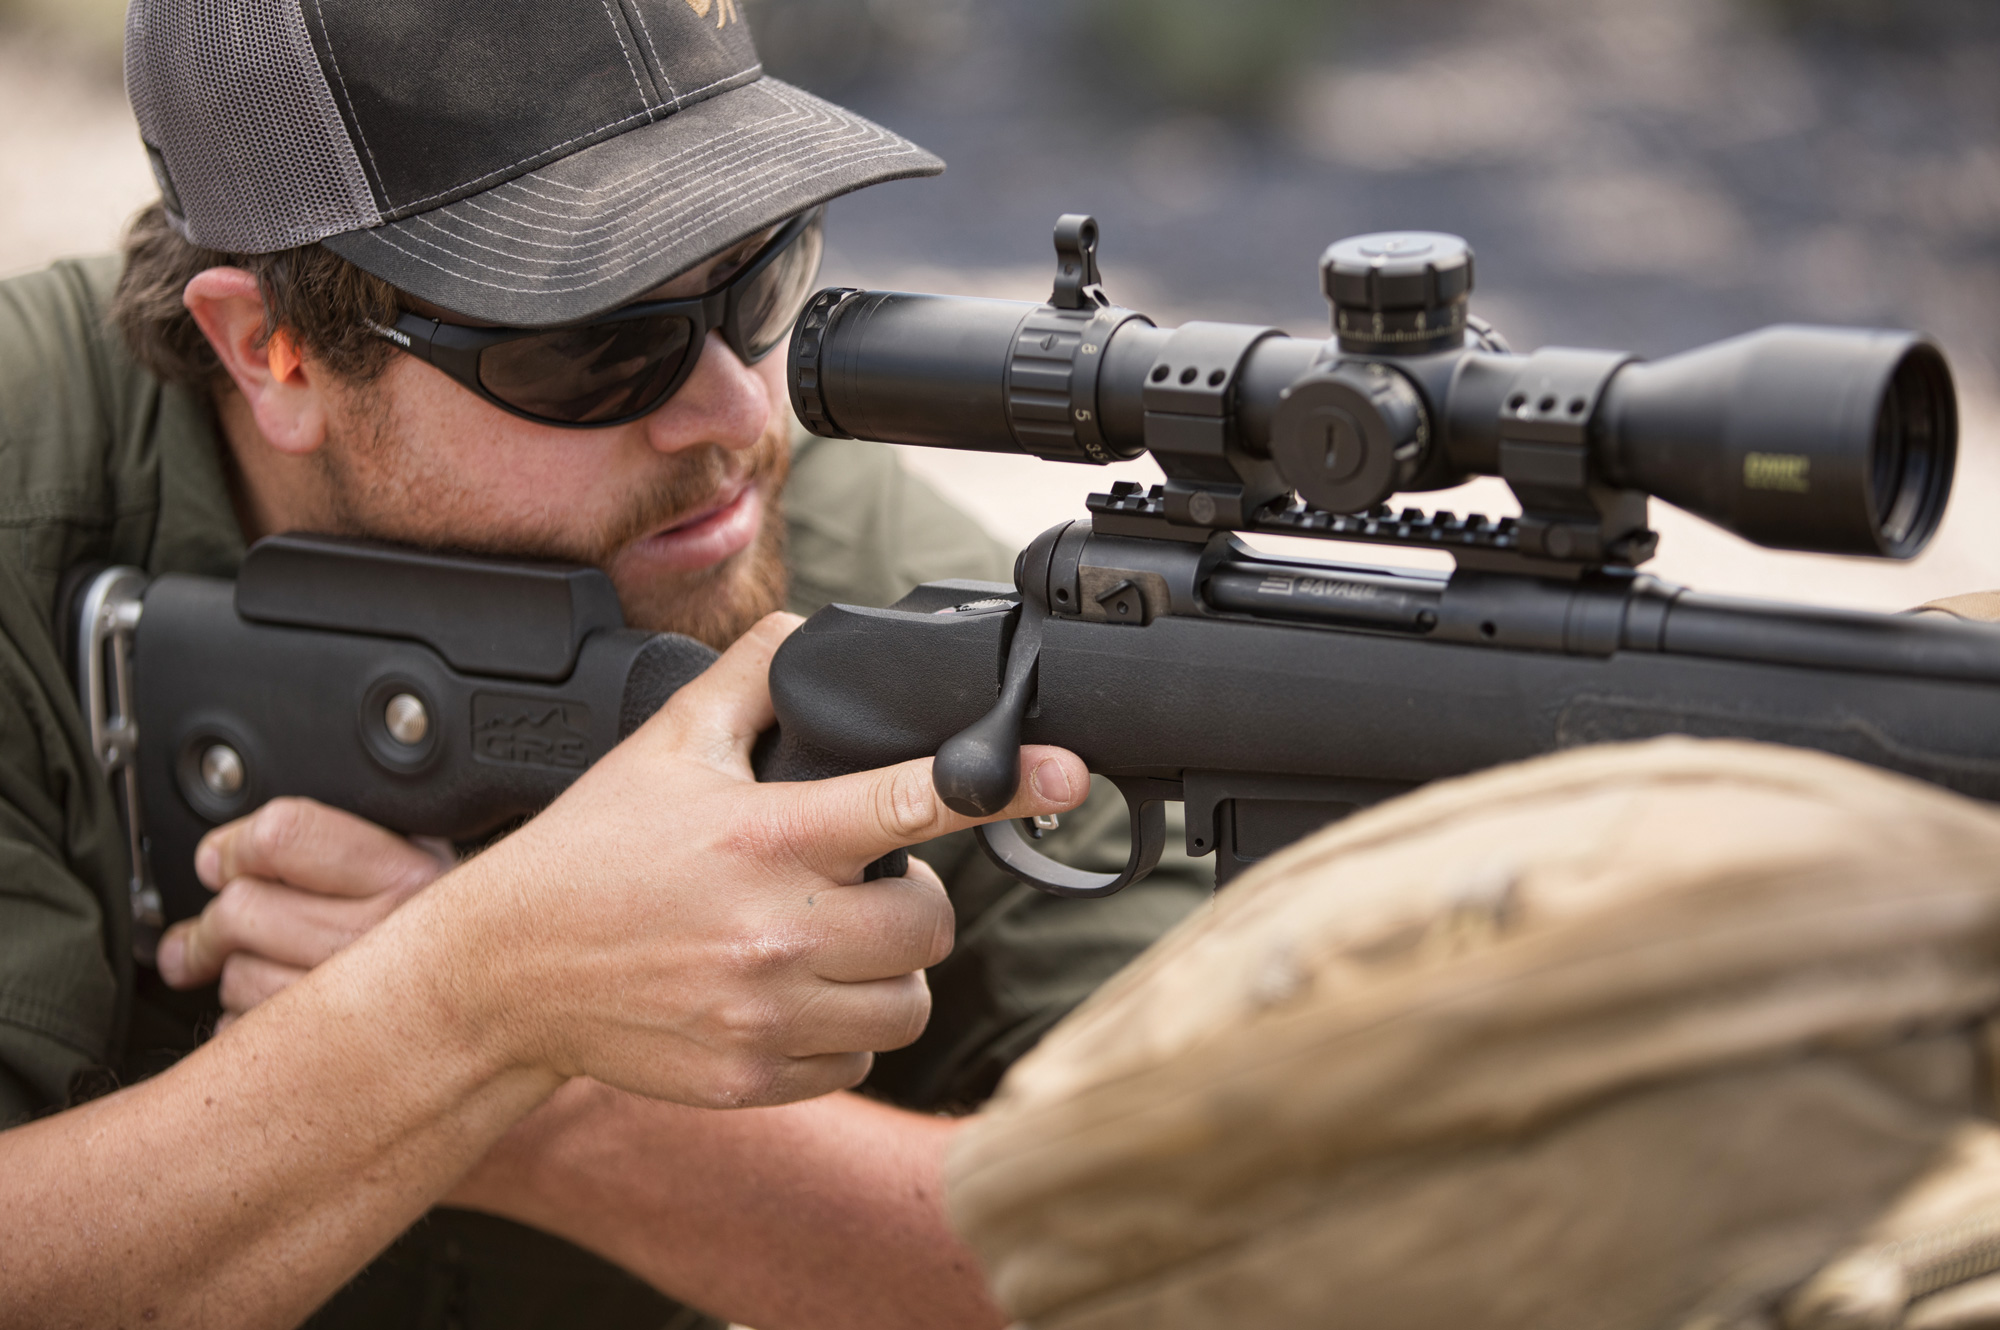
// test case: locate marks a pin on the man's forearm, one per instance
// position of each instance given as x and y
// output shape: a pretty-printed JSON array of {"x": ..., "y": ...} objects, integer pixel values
[
  {"x": 827, "y": 1214},
  {"x": 246, "y": 1184}
]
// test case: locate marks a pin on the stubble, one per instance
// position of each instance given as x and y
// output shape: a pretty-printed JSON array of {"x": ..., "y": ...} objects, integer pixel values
[{"x": 378, "y": 489}]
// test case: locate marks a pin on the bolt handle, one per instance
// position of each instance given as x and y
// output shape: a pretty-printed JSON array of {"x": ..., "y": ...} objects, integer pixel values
[{"x": 978, "y": 769}]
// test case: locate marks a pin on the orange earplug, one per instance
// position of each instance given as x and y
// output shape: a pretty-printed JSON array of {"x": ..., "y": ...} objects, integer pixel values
[{"x": 281, "y": 355}]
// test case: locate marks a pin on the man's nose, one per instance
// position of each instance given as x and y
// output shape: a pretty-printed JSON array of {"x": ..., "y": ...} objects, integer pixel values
[{"x": 723, "y": 402}]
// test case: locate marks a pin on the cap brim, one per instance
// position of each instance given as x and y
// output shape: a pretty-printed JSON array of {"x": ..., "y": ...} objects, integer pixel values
[{"x": 611, "y": 222}]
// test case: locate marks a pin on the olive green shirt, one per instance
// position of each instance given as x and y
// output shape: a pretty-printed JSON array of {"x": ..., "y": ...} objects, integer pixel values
[{"x": 101, "y": 463}]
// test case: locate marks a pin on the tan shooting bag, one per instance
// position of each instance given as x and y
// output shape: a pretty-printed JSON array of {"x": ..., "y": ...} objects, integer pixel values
[{"x": 1678, "y": 1034}]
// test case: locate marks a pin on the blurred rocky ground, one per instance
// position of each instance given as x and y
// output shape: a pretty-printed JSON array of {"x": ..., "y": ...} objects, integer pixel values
[
  {"x": 71, "y": 170},
  {"x": 1633, "y": 174}
]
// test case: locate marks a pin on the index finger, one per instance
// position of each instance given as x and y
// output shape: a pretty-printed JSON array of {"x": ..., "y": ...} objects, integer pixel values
[{"x": 839, "y": 826}]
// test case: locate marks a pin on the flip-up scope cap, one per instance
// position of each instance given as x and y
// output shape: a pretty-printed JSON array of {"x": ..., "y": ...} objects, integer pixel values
[{"x": 1398, "y": 291}]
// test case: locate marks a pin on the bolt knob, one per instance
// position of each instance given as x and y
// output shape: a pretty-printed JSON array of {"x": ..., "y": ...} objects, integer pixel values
[{"x": 1398, "y": 292}]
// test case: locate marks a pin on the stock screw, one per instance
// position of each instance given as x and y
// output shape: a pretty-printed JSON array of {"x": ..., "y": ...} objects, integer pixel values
[
  {"x": 222, "y": 770},
  {"x": 407, "y": 721}
]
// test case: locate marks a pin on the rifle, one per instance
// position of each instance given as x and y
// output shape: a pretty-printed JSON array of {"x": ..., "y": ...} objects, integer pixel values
[{"x": 450, "y": 696}]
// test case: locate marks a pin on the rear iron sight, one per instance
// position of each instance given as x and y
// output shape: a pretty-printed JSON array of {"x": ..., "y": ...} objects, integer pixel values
[{"x": 1833, "y": 440}]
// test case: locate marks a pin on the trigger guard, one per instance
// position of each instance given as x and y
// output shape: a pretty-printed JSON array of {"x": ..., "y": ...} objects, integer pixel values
[{"x": 1007, "y": 847}]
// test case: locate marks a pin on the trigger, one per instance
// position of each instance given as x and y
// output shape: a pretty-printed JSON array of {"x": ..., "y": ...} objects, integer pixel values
[{"x": 1007, "y": 845}]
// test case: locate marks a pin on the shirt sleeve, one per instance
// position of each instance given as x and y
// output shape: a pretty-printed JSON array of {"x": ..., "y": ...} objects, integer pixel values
[
  {"x": 67, "y": 495},
  {"x": 58, "y": 982},
  {"x": 862, "y": 531}
]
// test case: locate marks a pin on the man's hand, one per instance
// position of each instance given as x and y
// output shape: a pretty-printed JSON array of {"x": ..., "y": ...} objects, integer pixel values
[
  {"x": 296, "y": 881},
  {"x": 672, "y": 927},
  {"x": 828, "y": 1212},
  {"x": 762, "y": 908}
]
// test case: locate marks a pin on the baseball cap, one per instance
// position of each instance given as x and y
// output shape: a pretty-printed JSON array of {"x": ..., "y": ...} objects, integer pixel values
[{"x": 527, "y": 162}]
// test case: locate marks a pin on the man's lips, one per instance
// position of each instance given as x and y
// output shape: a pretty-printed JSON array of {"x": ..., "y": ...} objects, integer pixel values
[{"x": 724, "y": 528}]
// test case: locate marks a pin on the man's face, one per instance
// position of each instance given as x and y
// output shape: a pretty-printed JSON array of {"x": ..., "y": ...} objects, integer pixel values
[{"x": 681, "y": 508}]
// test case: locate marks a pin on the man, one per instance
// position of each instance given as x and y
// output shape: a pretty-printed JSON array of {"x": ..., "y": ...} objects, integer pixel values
[{"x": 493, "y": 278}]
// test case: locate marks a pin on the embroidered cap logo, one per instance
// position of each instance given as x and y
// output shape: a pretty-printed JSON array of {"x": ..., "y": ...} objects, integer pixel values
[{"x": 725, "y": 10}]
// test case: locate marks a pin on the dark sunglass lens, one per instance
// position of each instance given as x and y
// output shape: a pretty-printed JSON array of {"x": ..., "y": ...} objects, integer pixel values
[
  {"x": 771, "y": 301},
  {"x": 583, "y": 376}
]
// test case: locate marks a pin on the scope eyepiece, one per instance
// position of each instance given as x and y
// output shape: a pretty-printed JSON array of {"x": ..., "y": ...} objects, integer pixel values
[{"x": 948, "y": 372}]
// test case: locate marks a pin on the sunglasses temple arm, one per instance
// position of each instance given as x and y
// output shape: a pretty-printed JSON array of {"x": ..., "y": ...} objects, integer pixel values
[{"x": 412, "y": 332}]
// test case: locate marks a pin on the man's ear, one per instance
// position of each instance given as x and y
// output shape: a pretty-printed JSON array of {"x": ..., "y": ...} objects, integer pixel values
[{"x": 280, "y": 388}]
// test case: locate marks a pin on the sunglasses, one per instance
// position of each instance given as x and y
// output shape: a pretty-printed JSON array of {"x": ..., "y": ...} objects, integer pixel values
[{"x": 621, "y": 366}]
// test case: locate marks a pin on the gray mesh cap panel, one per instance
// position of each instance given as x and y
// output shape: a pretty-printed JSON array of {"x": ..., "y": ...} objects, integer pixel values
[{"x": 231, "y": 99}]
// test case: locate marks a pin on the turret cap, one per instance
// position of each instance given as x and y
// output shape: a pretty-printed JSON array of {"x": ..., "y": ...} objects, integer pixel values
[
  {"x": 1397, "y": 270},
  {"x": 1398, "y": 292}
]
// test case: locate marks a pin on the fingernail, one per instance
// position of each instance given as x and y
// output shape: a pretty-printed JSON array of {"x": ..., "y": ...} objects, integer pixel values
[
  {"x": 173, "y": 949},
  {"x": 1050, "y": 782},
  {"x": 208, "y": 865}
]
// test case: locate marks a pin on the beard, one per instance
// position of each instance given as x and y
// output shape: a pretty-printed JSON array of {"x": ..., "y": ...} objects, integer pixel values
[
  {"x": 718, "y": 604},
  {"x": 379, "y": 489}
]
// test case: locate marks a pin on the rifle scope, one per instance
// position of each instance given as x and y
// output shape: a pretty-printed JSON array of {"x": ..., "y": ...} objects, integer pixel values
[{"x": 1835, "y": 440}]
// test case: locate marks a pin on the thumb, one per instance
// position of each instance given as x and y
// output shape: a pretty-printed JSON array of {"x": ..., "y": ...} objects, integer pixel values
[{"x": 840, "y": 826}]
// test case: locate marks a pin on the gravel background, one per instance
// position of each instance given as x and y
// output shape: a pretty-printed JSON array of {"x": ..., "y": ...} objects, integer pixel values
[{"x": 1633, "y": 174}]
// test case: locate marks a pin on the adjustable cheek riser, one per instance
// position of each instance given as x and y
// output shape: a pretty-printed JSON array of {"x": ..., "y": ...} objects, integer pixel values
[{"x": 433, "y": 695}]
